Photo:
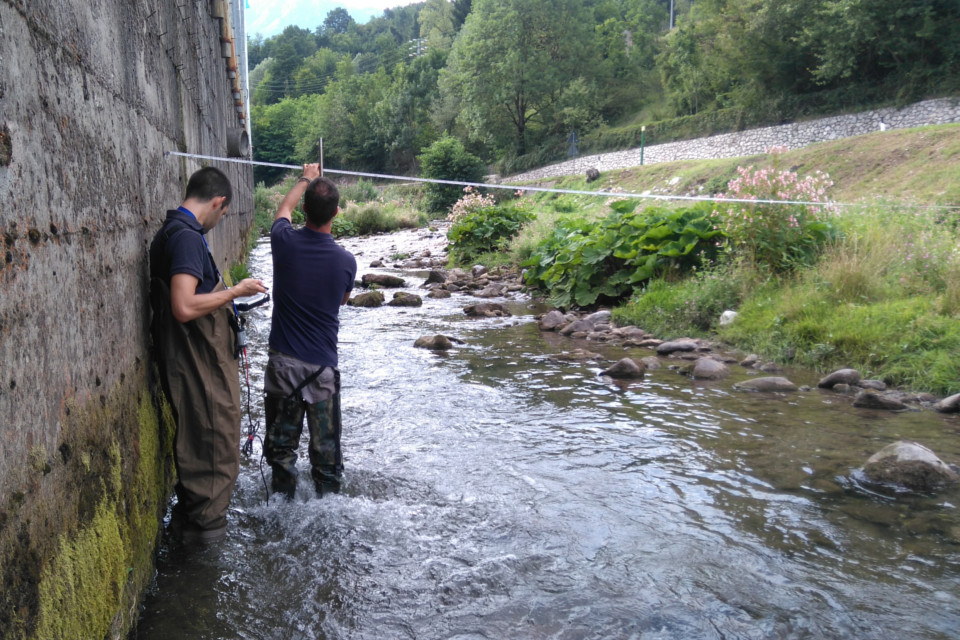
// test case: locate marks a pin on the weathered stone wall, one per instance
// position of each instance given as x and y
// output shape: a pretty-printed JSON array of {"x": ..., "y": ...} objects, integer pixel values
[
  {"x": 753, "y": 141},
  {"x": 92, "y": 92}
]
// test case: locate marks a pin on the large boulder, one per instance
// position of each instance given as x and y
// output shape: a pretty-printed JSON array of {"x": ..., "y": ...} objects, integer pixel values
[
  {"x": 910, "y": 465},
  {"x": 552, "y": 320},
  {"x": 672, "y": 346},
  {"x": 949, "y": 404}
]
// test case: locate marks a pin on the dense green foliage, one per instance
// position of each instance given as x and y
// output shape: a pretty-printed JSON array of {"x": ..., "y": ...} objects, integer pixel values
[
  {"x": 447, "y": 159},
  {"x": 582, "y": 264},
  {"x": 512, "y": 79},
  {"x": 486, "y": 229}
]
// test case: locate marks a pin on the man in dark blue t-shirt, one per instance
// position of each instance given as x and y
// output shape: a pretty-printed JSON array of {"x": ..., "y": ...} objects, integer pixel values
[{"x": 312, "y": 278}]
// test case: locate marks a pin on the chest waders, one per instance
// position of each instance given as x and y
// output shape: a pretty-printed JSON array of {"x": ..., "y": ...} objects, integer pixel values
[
  {"x": 284, "y": 416},
  {"x": 200, "y": 377}
]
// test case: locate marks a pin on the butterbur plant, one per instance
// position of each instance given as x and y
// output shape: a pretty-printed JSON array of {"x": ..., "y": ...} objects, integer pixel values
[
  {"x": 783, "y": 224},
  {"x": 471, "y": 202}
]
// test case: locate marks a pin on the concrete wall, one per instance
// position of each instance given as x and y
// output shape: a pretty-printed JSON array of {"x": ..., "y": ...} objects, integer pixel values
[
  {"x": 753, "y": 141},
  {"x": 92, "y": 92}
]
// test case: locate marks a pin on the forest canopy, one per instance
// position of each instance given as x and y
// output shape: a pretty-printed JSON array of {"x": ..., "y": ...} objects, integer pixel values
[{"x": 523, "y": 83}]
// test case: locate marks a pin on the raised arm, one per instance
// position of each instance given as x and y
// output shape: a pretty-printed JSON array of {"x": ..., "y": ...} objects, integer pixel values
[{"x": 292, "y": 199}]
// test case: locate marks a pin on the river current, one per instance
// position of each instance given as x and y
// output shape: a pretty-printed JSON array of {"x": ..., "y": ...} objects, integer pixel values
[{"x": 500, "y": 490}]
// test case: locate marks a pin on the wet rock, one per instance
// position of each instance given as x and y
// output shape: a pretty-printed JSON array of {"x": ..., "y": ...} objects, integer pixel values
[
  {"x": 843, "y": 387},
  {"x": 840, "y": 376},
  {"x": 592, "y": 174},
  {"x": 869, "y": 399},
  {"x": 491, "y": 291},
  {"x": 577, "y": 326},
  {"x": 911, "y": 465},
  {"x": 487, "y": 310},
  {"x": 771, "y": 367},
  {"x": 599, "y": 317},
  {"x": 876, "y": 385},
  {"x": 950, "y": 404},
  {"x": 382, "y": 280},
  {"x": 551, "y": 320},
  {"x": 631, "y": 333},
  {"x": 434, "y": 343},
  {"x": 651, "y": 363},
  {"x": 710, "y": 369},
  {"x": 648, "y": 343},
  {"x": 770, "y": 383},
  {"x": 576, "y": 355},
  {"x": 376, "y": 264},
  {"x": 672, "y": 346},
  {"x": 625, "y": 368},
  {"x": 439, "y": 294},
  {"x": 478, "y": 270},
  {"x": 435, "y": 277},
  {"x": 401, "y": 299},
  {"x": 750, "y": 360},
  {"x": 368, "y": 299}
]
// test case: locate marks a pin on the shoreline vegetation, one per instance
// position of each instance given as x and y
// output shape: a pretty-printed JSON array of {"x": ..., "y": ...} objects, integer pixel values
[{"x": 871, "y": 283}]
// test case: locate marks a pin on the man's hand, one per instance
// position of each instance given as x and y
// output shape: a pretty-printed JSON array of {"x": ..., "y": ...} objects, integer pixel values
[
  {"x": 188, "y": 305},
  {"x": 311, "y": 171},
  {"x": 292, "y": 199},
  {"x": 248, "y": 287}
]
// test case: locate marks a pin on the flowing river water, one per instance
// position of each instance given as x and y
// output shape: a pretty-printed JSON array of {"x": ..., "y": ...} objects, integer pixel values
[{"x": 499, "y": 490}]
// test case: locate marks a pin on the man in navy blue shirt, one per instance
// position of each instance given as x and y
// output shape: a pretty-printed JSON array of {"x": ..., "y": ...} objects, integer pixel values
[
  {"x": 194, "y": 346},
  {"x": 312, "y": 278}
]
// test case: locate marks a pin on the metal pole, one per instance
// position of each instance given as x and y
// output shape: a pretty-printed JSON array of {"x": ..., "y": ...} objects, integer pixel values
[
  {"x": 643, "y": 134},
  {"x": 321, "y": 156}
]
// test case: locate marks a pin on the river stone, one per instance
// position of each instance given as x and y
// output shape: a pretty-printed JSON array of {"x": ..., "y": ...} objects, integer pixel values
[
  {"x": 771, "y": 367},
  {"x": 593, "y": 174},
  {"x": 368, "y": 299},
  {"x": 439, "y": 293},
  {"x": 876, "y": 385},
  {"x": 382, "y": 280},
  {"x": 478, "y": 270},
  {"x": 599, "y": 317},
  {"x": 486, "y": 310},
  {"x": 869, "y": 399},
  {"x": 577, "y": 326},
  {"x": 710, "y": 369},
  {"x": 911, "y": 465},
  {"x": 435, "y": 276},
  {"x": 671, "y": 346},
  {"x": 551, "y": 320},
  {"x": 750, "y": 360},
  {"x": 651, "y": 362},
  {"x": 576, "y": 354},
  {"x": 401, "y": 299},
  {"x": 949, "y": 404},
  {"x": 727, "y": 317},
  {"x": 631, "y": 332},
  {"x": 376, "y": 264},
  {"x": 625, "y": 368},
  {"x": 490, "y": 291},
  {"x": 434, "y": 343},
  {"x": 771, "y": 383},
  {"x": 840, "y": 376}
]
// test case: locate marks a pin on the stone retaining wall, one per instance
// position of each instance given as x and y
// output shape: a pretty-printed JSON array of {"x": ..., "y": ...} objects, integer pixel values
[
  {"x": 753, "y": 141},
  {"x": 91, "y": 96}
]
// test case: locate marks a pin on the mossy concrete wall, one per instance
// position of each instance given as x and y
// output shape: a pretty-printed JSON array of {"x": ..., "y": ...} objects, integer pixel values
[{"x": 92, "y": 93}]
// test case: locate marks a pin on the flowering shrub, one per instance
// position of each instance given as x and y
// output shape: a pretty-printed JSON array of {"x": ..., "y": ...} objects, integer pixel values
[
  {"x": 471, "y": 202},
  {"x": 786, "y": 226}
]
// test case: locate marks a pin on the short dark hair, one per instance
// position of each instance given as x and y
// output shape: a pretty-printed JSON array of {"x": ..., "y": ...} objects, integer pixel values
[
  {"x": 320, "y": 201},
  {"x": 209, "y": 183}
]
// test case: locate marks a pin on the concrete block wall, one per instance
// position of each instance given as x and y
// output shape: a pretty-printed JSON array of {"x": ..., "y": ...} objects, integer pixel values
[
  {"x": 754, "y": 141},
  {"x": 92, "y": 93}
]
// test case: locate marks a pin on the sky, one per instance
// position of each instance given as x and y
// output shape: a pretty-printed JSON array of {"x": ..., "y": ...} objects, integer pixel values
[{"x": 270, "y": 17}]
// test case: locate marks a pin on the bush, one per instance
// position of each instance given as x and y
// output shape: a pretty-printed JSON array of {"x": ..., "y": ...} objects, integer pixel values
[
  {"x": 447, "y": 159},
  {"x": 484, "y": 228},
  {"x": 778, "y": 236},
  {"x": 583, "y": 263},
  {"x": 359, "y": 192}
]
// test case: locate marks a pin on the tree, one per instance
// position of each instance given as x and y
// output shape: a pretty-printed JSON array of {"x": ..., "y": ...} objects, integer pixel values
[
  {"x": 511, "y": 62},
  {"x": 447, "y": 159},
  {"x": 436, "y": 24}
]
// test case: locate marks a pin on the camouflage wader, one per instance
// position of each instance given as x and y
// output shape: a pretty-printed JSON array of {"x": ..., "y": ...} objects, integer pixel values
[{"x": 284, "y": 416}]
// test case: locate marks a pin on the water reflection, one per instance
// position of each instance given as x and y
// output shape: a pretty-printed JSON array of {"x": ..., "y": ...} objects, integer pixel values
[{"x": 498, "y": 491}]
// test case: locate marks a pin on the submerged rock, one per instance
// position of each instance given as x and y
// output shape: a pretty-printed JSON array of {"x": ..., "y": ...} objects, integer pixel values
[
  {"x": 710, "y": 369},
  {"x": 487, "y": 310},
  {"x": 910, "y": 465},
  {"x": 401, "y": 299},
  {"x": 434, "y": 343},
  {"x": 950, "y": 404},
  {"x": 870, "y": 399},
  {"x": 772, "y": 383}
]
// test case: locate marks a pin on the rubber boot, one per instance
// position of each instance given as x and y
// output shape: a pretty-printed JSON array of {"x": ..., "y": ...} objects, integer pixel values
[
  {"x": 284, "y": 426},
  {"x": 326, "y": 462}
]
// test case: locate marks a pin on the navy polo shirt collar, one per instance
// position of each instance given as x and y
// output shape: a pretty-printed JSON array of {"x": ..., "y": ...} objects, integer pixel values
[{"x": 186, "y": 218}]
